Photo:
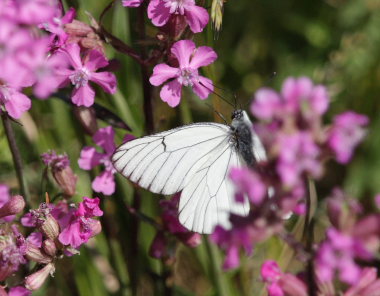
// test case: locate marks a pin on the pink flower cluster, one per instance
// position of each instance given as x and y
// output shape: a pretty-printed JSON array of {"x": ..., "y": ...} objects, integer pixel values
[
  {"x": 46, "y": 62},
  {"x": 184, "y": 59},
  {"x": 297, "y": 145}
]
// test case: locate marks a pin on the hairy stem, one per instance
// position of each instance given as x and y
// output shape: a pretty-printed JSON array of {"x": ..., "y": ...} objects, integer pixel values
[{"x": 17, "y": 161}]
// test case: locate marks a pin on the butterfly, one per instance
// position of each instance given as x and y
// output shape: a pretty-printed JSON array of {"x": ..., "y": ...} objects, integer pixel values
[{"x": 194, "y": 159}]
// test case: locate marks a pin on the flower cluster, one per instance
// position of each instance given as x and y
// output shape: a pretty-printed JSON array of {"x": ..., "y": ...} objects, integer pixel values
[
  {"x": 297, "y": 144},
  {"x": 47, "y": 61}
]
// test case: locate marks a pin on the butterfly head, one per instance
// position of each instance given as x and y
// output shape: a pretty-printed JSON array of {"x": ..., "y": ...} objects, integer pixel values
[{"x": 237, "y": 114}]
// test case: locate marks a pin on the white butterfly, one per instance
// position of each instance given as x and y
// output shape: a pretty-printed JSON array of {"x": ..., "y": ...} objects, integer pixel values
[{"x": 194, "y": 159}]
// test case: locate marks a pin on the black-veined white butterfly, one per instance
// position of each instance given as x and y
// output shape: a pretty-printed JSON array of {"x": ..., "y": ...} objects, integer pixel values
[{"x": 194, "y": 159}]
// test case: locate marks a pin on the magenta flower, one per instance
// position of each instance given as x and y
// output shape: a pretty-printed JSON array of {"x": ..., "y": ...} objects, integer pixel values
[
  {"x": 346, "y": 133},
  {"x": 89, "y": 158},
  {"x": 160, "y": 11},
  {"x": 33, "y": 12},
  {"x": 19, "y": 291},
  {"x": 78, "y": 225},
  {"x": 83, "y": 72},
  {"x": 190, "y": 59}
]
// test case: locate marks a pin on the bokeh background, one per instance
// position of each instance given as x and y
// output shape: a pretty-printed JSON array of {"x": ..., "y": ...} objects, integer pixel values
[{"x": 335, "y": 42}]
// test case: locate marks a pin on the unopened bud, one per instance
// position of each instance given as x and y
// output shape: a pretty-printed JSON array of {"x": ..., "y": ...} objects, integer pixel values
[
  {"x": 96, "y": 228},
  {"x": 49, "y": 247},
  {"x": 50, "y": 227},
  {"x": 158, "y": 246},
  {"x": 15, "y": 205},
  {"x": 87, "y": 118},
  {"x": 66, "y": 180},
  {"x": 190, "y": 239},
  {"x": 35, "y": 280},
  {"x": 34, "y": 254}
]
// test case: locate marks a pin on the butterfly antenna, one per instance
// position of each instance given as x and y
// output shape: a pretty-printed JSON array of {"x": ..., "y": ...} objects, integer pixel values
[
  {"x": 218, "y": 95},
  {"x": 217, "y": 112}
]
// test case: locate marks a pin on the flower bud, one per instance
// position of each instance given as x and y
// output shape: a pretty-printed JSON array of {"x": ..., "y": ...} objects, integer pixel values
[
  {"x": 15, "y": 205},
  {"x": 49, "y": 247},
  {"x": 292, "y": 285},
  {"x": 66, "y": 180},
  {"x": 190, "y": 239},
  {"x": 50, "y": 227},
  {"x": 87, "y": 118},
  {"x": 158, "y": 246},
  {"x": 96, "y": 228},
  {"x": 34, "y": 254},
  {"x": 35, "y": 280}
]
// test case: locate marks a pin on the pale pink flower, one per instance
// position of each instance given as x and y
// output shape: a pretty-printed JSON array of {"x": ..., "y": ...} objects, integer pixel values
[
  {"x": 83, "y": 72},
  {"x": 160, "y": 11},
  {"x": 89, "y": 158},
  {"x": 190, "y": 59}
]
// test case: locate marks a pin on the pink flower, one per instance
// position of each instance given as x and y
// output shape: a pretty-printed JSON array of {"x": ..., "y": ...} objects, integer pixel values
[
  {"x": 89, "y": 158},
  {"x": 337, "y": 253},
  {"x": 85, "y": 71},
  {"x": 78, "y": 225},
  {"x": 298, "y": 155},
  {"x": 231, "y": 241},
  {"x": 190, "y": 60},
  {"x": 132, "y": 3},
  {"x": 19, "y": 291},
  {"x": 160, "y": 11},
  {"x": 4, "y": 198},
  {"x": 33, "y": 12},
  {"x": 346, "y": 133},
  {"x": 248, "y": 182},
  {"x": 279, "y": 283},
  {"x": 14, "y": 102},
  {"x": 56, "y": 25}
]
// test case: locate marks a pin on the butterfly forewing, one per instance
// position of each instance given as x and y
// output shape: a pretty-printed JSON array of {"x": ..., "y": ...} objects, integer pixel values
[{"x": 194, "y": 158}]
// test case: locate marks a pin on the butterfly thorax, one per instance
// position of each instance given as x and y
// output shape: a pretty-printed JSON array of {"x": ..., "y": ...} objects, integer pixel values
[{"x": 241, "y": 130}]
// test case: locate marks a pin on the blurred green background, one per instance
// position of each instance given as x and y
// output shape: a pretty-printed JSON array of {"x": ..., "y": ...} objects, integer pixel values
[{"x": 335, "y": 42}]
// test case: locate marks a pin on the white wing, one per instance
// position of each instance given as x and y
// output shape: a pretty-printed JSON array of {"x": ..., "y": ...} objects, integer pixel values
[{"x": 194, "y": 158}]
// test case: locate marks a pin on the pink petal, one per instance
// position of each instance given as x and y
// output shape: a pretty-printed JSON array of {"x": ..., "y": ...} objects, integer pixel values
[
  {"x": 105, "y": 138},
  {"x": 203, "y": 88},
  {"x": 17, "y": 104},
  {"x": 197, "y": 18},
  {"x": 132, "y": 3},
  {"x": 89, "y": 158},
  {"x": 69, "y": 16},
  {"x": 83, "y": 96},
  {"x": 158, "y": 13},
  {"x": 35, "y": 238},
  {"x": 106, "y": 80},
  {"x": 183, "y": 50},
  {"x": 71, "y": 235},
  {"x": 203, "y": 56},
  {"x": 19, "y": 291},
  {"x": 95, "y": 60},
  {"x": 171, "y": 93},
  {"x": 104, "y": 183},
  {"x": 73, "y": 53},
  {"x": 161, "y": 73}
]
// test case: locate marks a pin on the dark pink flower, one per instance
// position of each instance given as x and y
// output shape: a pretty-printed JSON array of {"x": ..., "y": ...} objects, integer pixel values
[
  {"x": 190, "y": 59},
  {"x": 89, "y": 207},
  {"x": 89, "y": 158},
  {"x": 85, "y": 71},
  {"x": 19, "y": 291},
  {"x": 33, "y": 12},
  {"x": 160, "y": 11},
  {"x": 346, "y": 133}
]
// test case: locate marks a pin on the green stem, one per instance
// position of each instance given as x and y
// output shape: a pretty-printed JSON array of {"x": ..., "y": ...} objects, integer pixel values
[{"x": 17, "y": 161}]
